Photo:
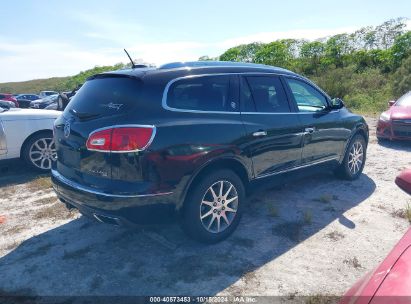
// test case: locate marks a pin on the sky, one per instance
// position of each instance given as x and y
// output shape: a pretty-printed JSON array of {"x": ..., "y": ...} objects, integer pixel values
[{"x": 44, "y": 38}]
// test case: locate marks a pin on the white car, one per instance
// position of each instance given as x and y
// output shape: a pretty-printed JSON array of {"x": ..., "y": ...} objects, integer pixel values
[{"x": 28, "y": 134}]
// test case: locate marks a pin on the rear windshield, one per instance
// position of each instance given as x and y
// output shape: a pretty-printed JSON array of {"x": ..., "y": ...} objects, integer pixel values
[{"x": 106, "y": 96}]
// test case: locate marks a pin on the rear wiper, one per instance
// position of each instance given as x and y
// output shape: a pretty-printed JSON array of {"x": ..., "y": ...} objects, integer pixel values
[{"x": 83, "y": 115}]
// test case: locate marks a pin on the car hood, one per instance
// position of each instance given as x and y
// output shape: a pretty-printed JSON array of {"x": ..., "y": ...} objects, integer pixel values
[
  {"x": 18, "y": 113},
  {"x": 397, "y": 112}
]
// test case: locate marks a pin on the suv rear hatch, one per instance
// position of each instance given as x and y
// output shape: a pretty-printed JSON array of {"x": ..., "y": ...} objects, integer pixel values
[{"x": 103, "y": 101}]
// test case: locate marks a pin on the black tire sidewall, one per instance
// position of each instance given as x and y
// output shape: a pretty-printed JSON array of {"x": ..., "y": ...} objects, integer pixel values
[
  {"x": 191, "y": 220},
  {"x": 27, "y": 146},
  {"x": 347, "y": 173}
]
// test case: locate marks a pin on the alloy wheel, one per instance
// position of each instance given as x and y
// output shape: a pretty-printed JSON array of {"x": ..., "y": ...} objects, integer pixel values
[
  {"x": 42, "y": 153},
  {"x": 356, "y": 157},
  {"x": 219, "y": 206}
]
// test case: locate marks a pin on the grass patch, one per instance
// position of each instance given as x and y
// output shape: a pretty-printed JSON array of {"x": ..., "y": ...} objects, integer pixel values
[
  {"x": 321, "y": 299},
  {"x": 353, "y": 262},
  {"x": 291, "y": 230},
  {"x": 14, "y": 230},
  {"x": 335, "y": 235},
  {"x": 329, "y": 208},
  {"x": 272, "y": 210},
  {"x": 44, "y": 201},
  {"x": 307, "y": 217},
  {"x": 55, "y": 211},
  {"x": 40, "y": 183},
  {"x": 325, "y": 198},
  {"x": 403, "y": 213},
  {"x": 76, "y": 254}
]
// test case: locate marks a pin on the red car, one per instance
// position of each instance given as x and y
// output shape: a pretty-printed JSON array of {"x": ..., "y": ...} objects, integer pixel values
[
  {"x": 9, "y": 97},
  {"x": 390, "y": 282},
  {"x": 395, "y": 123}
]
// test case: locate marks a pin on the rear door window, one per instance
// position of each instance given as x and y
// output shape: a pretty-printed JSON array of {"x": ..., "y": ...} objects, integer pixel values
[
  {"x": 206, "y": 93},
  {"x": 106, "y": 96},
  {"x": 267, "y": 92}
]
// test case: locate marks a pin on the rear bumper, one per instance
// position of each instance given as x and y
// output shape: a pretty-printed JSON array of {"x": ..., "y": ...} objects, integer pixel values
[{"x": 115, "y": 208}]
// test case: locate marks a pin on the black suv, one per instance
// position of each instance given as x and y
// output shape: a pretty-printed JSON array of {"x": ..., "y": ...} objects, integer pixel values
[{"x": 135, "y": 144}]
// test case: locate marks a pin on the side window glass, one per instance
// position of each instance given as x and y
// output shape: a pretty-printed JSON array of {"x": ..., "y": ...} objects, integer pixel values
[
  {"x": 247, "y": 102},
  {"x": 208, "y": 93},
  {"x": 268, "y": 94},
  {"x": 308, "y": 99}
]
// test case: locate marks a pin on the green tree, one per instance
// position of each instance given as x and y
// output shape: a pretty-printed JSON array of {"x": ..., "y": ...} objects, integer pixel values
[
  {"x": 401, "y": 48},
  {"x": 311, "y": 54},
  {"x": 243, "y": 53},
  {"x": 81, "y": 77},
  {"x": 281, "y": 53},
  {"x": 402, "y": 78}
]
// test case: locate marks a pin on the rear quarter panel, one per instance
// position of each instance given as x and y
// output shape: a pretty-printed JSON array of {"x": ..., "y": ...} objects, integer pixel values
[{"x": 18, "y": 130}]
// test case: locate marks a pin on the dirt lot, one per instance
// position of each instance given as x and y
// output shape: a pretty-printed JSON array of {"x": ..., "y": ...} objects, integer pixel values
[{"x": 314, "y": 236}]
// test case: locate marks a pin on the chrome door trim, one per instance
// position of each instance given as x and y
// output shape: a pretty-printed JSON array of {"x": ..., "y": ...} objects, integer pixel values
[{"x": 298, "y": 167}]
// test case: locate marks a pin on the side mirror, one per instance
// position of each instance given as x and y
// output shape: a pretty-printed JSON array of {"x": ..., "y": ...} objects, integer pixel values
[
  {"x": 391, "y": 103},
  {"x": 337, "y": 103}
]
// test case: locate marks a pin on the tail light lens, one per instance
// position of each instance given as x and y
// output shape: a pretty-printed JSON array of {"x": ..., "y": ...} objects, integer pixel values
[{"x": 121, "y": 139}]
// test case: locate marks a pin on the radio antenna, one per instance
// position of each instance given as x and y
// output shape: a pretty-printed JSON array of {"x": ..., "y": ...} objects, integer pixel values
[{"x": 131, "y": 60}]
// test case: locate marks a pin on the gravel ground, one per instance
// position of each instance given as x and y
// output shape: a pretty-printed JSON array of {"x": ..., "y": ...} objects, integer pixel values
[{"x": 316, "y": 236}]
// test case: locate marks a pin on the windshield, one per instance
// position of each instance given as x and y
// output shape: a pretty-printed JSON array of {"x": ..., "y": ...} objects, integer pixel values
[{"x": 404, "y": 101}]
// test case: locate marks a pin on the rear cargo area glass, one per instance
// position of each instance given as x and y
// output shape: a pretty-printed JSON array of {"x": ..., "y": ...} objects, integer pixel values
[{"x": 106, "y": 96}]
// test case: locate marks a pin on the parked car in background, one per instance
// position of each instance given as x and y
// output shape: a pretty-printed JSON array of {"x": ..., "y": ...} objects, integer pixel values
[
  {"x": 27, "y": 133},
  {"x": 9, "y": 97},
  {"x": 64, "y": 98},
  {"x": 389, "y": 282},
  {"x": 47, "y": 93},
  {"x": 44, "y": 102},
  {"x": 7, "y": 104},
  {"x": 25, "y": 99},
  {"x": 395, "y": 123},
  {"x": 192, "y": 137}
]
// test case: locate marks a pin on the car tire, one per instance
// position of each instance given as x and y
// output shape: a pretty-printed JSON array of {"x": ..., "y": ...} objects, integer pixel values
[
  {"x": 354, "y": 159},
  {"x": 210, "y": 218},
  {"x": 39, "y": 151}
]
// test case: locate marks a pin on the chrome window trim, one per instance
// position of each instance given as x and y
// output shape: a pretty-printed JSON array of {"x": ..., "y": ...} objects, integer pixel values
[
  {"x": 167, "y": 88},
  {"x": 153, "y": 127},
  {"x": 298, "y": 167},
  {"x": 78, "y": 186},
  {"x": 168, "y": 85}
]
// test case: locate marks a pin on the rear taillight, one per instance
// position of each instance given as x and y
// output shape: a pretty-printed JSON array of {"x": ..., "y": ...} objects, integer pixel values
[{"x": 121, "y": 139}]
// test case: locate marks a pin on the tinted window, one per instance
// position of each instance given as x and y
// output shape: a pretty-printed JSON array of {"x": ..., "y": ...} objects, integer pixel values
[
  {"x": 2, "y": 96},
  {"x": 247, "y": 102},
  {"x": 106, "y": 96},
  {"x": 268, "y": 94},
  {"x": 308, "y": 99},
  {"x": 209, "y": 93}
]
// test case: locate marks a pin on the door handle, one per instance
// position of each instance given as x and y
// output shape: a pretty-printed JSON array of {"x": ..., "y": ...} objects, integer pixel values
[
  {"x": 309, "y": 130},
  {"x": 260, "y": 133}
]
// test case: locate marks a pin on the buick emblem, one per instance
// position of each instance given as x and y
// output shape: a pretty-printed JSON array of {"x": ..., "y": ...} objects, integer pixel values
[{"x": 67, "y": 129}]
